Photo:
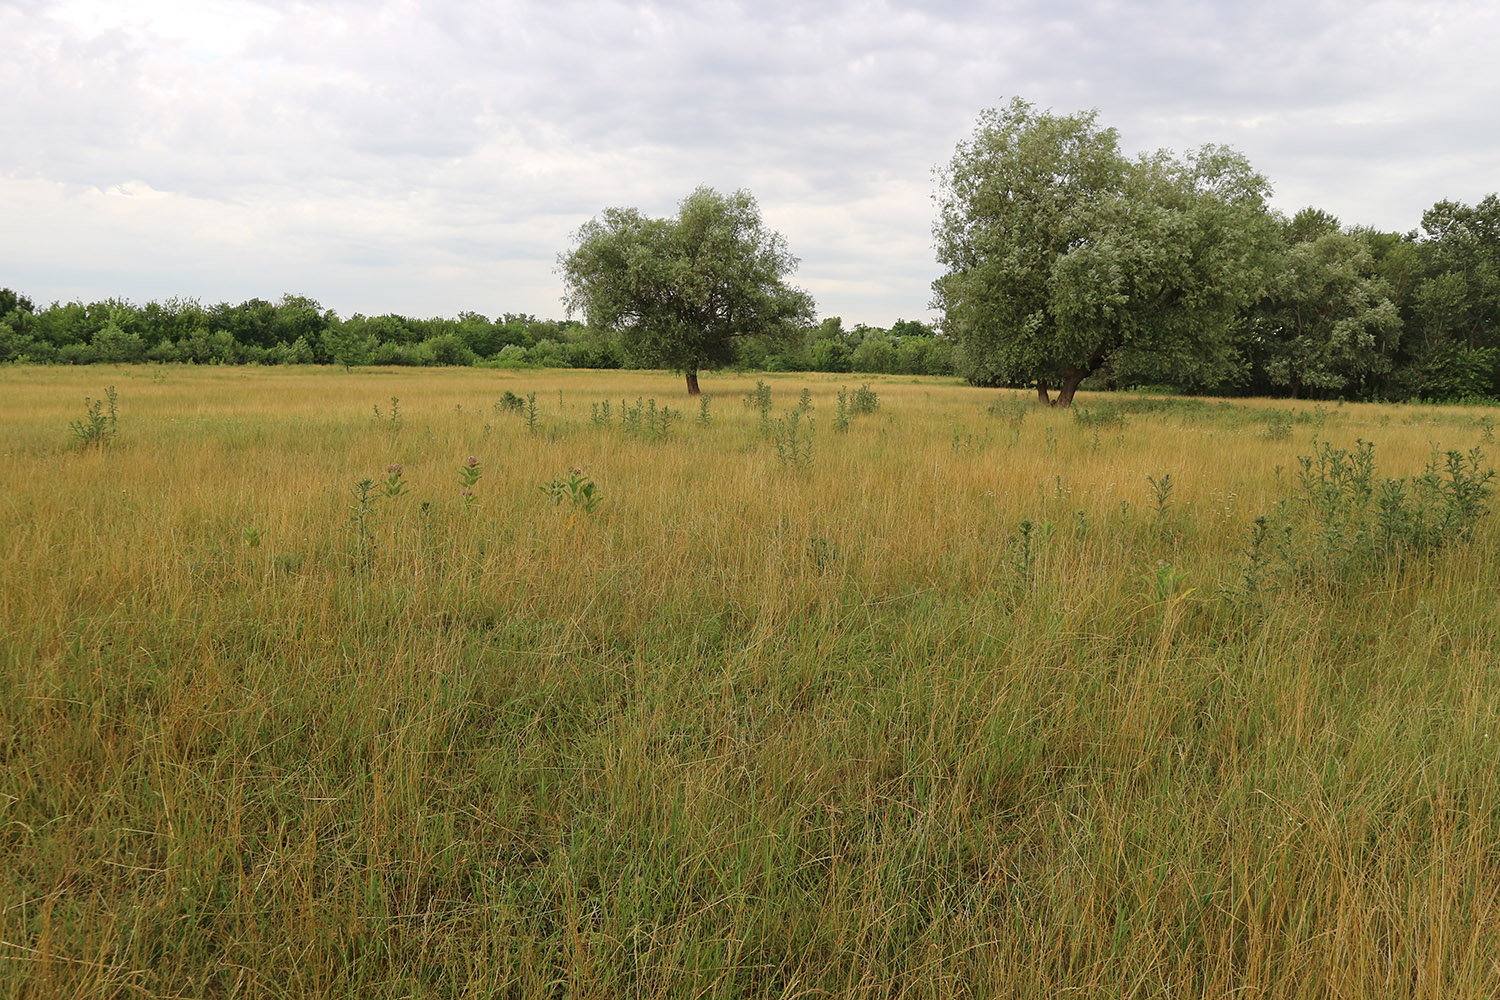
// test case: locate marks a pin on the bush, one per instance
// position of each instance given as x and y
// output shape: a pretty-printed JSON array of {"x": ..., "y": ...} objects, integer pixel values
[
  {"x": 830, "y": 356},
  {"x": 1345, "y": 522},
  {"x": 13, "y": 345},
  {"x": 550, "y": 354},
  {"x": 445, "y": 349},
  {"x": 114, "y": 345},
  {"x": 875, "y": 354},
  {"x": 76, "y": 354}
]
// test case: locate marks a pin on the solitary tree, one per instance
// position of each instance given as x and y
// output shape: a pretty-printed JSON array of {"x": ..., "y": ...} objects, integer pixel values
[
  {"x": 681, "y": 290},
  {"x": 1063, "y": 256}
]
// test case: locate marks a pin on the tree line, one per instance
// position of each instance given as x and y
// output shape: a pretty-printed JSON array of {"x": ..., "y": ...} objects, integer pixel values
[
  {"x": 1065, "y": 263},
  {"x": 295, "y": 329}
]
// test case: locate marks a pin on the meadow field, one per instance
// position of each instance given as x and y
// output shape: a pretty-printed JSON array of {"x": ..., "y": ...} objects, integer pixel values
[{"x": 967, "y": 698}]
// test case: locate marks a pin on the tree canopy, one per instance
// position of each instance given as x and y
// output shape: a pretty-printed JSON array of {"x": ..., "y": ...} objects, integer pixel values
[
  {"x": 681, "y": 290},
  {"x": 1062, "y": 255}
]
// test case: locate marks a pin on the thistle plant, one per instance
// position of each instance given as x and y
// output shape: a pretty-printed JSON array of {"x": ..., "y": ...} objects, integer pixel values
[
  {"x": 792, "y": 435},
  {"x": 646, "y": 420},
  {"x": 1161, "y": 493},
  {"x": 1344, "y": 521},
  {"x": 1024, "y": 550},
  {"x": 361, "y": 515},
  {"x": 1257, "y": 553},
  {"x": 394, "y": 424},
  {"x": 760, "y": 399},
  {"x": 97, "y": 428}
]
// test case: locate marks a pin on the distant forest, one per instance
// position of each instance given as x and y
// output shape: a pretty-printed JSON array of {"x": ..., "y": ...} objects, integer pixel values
[
  {"x": 1353, "y": 313},
  {"x": 296, "y": 330}
]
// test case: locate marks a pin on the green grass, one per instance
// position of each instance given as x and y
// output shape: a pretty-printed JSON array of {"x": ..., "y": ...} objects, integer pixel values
[{"x": 752, "y": 729}]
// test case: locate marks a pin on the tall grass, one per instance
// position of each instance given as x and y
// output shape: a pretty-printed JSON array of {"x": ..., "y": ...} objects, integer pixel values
[{"x": 746, "y": 727}]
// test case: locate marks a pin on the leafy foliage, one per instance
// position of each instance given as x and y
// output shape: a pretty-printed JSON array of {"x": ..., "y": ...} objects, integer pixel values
[
  {"x": 1061, "y": 255},
  {"x": 1344, "y": 522},
  {"x": 680, "y": 291},
  {"x": 97, "y": 427}
]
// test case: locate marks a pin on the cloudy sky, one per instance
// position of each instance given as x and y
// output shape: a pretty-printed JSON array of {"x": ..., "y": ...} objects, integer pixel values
[{"x": 433, "y": 157}]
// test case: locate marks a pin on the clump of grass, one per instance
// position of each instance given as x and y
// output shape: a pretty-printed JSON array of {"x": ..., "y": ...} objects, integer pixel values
[
  {"x": 1278, "y": 425},
  {"x": 1099, "y": 416}
]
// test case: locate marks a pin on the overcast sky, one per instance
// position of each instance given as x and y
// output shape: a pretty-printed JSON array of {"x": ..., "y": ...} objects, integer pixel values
[{"x": 433, "y": 157}]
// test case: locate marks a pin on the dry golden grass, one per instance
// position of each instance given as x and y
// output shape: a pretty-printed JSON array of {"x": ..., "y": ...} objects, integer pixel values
[{"x": 748, "y": 730}]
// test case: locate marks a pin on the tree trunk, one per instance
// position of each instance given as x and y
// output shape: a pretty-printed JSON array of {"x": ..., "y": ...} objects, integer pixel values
[
  {"x": 1041, "y": 393},
  {"x": 692, "y": 380},
  {"x": 1070, "y": 385}
]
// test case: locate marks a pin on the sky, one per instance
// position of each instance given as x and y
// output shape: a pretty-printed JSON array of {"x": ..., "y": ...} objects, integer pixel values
[{"x": 429, "y": 158}]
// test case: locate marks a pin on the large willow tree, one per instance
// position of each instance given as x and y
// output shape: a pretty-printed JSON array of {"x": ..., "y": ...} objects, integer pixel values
[{"x": 1062, "y": 255}]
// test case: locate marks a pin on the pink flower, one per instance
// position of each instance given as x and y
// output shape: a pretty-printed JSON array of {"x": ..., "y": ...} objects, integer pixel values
[
  {"x": 394, "y": 468},
  {"x": 472, "y": 462}
]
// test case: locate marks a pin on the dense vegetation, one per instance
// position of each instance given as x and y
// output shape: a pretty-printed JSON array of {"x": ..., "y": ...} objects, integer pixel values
[
  {"x": 1066, "y": 260},
  {"x": 523, "y": 684},
  {"x": 1347, "y": 312},
  {"x": 297, "y": 330},
  {"x": 1066, "y": 265}
]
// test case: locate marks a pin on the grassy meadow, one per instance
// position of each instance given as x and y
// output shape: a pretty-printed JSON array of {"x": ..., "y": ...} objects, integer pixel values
[{"x": 965, "y": 700}]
